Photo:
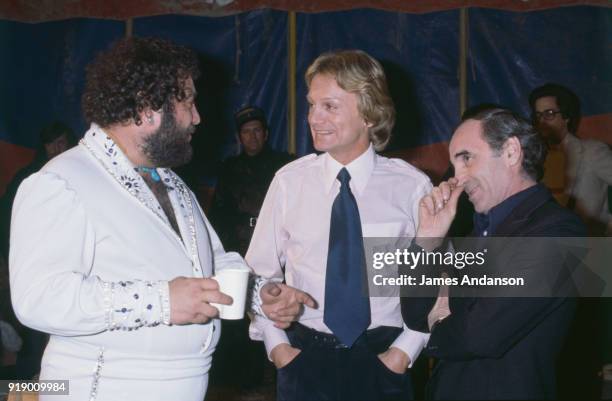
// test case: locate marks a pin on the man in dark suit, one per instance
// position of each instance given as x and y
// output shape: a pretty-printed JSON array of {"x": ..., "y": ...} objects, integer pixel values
[{"x": 502, "y": 347}]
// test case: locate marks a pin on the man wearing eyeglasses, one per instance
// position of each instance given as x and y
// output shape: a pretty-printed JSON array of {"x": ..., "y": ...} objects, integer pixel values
[
  {"x": 583, "y": 174},
  {"x": 587, "y": 163}
]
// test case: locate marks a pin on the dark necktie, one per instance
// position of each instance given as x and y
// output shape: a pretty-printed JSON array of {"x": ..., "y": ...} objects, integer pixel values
[{"x": 347, "y": 305}]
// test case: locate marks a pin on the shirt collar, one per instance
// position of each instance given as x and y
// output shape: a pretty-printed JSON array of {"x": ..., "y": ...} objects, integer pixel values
[
  {"x": 571, "y": 144},
  {"x": 261, "y": 155},
  {"x": 490, "y": 221},
  {"x": 360, "y": 170},
  {"x": 568, "y": 140}
]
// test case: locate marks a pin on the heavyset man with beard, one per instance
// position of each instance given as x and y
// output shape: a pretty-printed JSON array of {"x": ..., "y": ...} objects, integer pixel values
[{"x": 110, "y": 252}]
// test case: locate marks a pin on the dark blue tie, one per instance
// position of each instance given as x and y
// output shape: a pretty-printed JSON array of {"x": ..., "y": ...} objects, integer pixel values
[{"x": 347, "y": 305}]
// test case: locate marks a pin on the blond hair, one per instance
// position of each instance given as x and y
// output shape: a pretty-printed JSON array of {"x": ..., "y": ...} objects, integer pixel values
[{"x": 357, "y": 72}]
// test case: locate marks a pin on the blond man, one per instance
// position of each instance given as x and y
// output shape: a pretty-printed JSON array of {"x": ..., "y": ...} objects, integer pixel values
[{"x": 345, "y": 345}]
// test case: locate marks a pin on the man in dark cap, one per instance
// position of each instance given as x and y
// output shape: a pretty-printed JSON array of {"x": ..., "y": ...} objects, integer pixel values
[
  {"x": 241, "y": 188},
  {"x": 244, "y": 180}
]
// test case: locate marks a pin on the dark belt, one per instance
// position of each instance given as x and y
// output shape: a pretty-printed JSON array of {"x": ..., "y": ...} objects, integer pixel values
[
  {"x": 247, "y": 220},
  {"x": 380, "y": 337}
]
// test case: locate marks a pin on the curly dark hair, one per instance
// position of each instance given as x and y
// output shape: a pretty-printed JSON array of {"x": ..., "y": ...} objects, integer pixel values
[
  {"x": 500, "y": 124},
  {"x": 133, "y": 75}
]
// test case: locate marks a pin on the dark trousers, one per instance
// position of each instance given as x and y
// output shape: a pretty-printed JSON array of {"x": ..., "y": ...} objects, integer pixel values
[
  {"x": 327, "y": 370},
  {"x": 238, "y": 361}
]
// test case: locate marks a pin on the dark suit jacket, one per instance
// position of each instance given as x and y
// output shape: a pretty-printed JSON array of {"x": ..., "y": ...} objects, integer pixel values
[{"x": 502, "y": 348}]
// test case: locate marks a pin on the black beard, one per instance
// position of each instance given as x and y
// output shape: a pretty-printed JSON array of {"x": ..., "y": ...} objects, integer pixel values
[
  {"x": 550, "y": 135},
  {"x": 170, "y": 145}
]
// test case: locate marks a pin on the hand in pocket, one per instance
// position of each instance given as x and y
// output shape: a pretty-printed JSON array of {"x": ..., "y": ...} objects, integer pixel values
[{"x": 283, "y": 354}]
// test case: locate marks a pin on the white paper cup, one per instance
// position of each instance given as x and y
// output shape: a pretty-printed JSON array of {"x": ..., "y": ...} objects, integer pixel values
[{"x": 232, "y": 282}]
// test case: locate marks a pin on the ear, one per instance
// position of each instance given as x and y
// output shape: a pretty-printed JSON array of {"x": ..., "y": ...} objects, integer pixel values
[
  {"x": 150, "y": 118},
  {"x": 367, "y": 124},
  {"x": 567, "y": 120},
  {"x": 512, "y": 152}
]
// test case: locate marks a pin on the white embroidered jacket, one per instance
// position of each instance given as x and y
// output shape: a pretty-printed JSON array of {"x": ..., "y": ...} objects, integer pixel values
[{"x": 91, "y": 256}]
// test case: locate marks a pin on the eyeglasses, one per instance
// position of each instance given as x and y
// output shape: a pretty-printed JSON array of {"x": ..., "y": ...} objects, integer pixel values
[{"x": 546, "y": 114}]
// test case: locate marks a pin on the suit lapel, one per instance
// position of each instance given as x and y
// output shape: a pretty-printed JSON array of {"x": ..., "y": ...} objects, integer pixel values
[
  {"x": 520, "y": 215},
  {"x": 106, "y": 151}
]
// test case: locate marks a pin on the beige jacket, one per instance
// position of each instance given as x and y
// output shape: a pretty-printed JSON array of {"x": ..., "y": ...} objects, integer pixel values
[{"x": 589, "y": 173}]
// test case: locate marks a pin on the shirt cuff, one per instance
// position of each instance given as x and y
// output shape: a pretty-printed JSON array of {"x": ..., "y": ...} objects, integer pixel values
[
  {"x": 130, "y": 305},
  {"x": 256, "y": 284},
  {"x": 264, "y": 329},
  {"x": 411, "y": 342}
]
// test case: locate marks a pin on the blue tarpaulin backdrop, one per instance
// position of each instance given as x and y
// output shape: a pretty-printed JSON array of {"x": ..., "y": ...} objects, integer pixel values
[{"x": 244, "y": 61}]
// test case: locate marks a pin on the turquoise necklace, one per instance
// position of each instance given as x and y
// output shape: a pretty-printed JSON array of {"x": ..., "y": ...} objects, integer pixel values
[{"x": 151, "y": 171}]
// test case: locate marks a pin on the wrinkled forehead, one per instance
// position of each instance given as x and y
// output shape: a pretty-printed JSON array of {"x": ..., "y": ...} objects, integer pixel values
[
  {"x": 187, "y": 86},
  {"x": 467, "y": 136}
]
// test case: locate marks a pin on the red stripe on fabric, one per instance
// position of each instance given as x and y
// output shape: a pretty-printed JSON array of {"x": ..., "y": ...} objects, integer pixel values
[
  {"x": 12, "y": 159},
  {"x": 432, "y": 159},
  {"x": 597, "y": 127},
  {"x": 37, "y": 11}
]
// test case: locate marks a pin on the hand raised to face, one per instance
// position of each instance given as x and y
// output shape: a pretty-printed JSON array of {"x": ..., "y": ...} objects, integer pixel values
[{"x": 437, "y": 210}]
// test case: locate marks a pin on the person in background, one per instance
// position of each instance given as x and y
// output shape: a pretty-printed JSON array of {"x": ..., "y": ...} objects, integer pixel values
[
  {"x": 54, "y": 139},
  {"x": 10, "y": 339},
  {"x": 580, "y": 172},
  {"x": 584, "y": 166},
  {"x": 240, "y": 191},
  {"x": 244, "y": 180}
]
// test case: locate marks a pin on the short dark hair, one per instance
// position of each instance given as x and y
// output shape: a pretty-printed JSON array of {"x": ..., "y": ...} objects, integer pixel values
[
  {"x": 52, "y": 131},
  {"x": 133, "y": 75},
  {"x": 500, "y": 124},
  {"x": 568, "y": 103}
]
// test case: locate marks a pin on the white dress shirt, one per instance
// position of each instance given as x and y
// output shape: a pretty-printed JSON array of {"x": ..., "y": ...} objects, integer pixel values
[{"x": 292, "y": 232}]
